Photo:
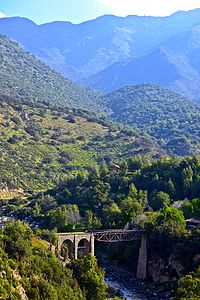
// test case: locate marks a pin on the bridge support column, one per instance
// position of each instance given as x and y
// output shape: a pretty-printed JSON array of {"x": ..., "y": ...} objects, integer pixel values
[
  {"x": 92, "y": 244},
  {"x": 142, "y": 259},
  {"x": 75, "y": 248}
]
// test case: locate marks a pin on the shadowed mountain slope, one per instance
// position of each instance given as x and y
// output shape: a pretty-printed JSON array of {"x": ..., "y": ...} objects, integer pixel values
[
  {"x": 162, "y": 67},
  {"x": 174, "y": 64}
]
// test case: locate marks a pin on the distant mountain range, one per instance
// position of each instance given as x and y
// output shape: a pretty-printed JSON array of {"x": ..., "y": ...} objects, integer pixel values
[
  {"x": 162, "y": 67},
  {"x": 162, "y": 50},
  {"x": 175, "y": 64}
]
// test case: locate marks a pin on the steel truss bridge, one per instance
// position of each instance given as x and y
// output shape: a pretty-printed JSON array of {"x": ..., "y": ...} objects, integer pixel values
[{"x": 118, "y": 235}]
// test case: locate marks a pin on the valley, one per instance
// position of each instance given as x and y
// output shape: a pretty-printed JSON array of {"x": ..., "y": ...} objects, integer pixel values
[{"x": 99, "y": 132}]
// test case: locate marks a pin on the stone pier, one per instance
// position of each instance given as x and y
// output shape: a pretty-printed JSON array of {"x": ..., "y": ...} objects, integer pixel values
[{"x": 142, "y": 259}]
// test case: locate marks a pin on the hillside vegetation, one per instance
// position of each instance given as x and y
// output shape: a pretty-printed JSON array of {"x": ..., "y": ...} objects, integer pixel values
[
  {"x": 28, "y": 270},
  {"x": 109, "y": 198},
  {"x": 40, "y": 147},
  {"x": 170, "y": 118},
  {"x": 24, "y": 77},
  {"x": 142, "y": 193}
]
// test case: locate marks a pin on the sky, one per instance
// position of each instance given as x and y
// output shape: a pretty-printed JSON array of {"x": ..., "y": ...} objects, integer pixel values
[{"x": 77, "y": 11}]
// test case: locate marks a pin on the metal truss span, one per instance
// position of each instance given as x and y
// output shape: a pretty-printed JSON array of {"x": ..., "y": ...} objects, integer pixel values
[{"x": 120, "y": 235}]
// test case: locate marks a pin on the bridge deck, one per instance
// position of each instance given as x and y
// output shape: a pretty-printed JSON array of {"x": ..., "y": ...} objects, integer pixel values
[{"x": 109, "y": 235}]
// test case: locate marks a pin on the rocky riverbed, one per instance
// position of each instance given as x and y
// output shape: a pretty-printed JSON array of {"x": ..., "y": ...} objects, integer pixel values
[{"x": 132, "y": 289}]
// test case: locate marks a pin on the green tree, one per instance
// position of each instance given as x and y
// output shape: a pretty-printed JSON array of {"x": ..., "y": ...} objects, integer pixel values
[
  {"x": 104, "y": 172},
  {"x": 90, "y": 221},
  {"x": 159, "y": 200},
  {"x": 97, "y": 194},
  {"x": 133, "y": 205},
  {"x": 112, "y": 216},
  {"x": 189, "y": 286},
  {"x": 57, "y": 218},
  {"x": 90, "y": 277},
  {"x": 192, "y": 209},
  {"x": 17, "y": 240},
  {"x": 171, "y": 221},
  {"x": 187, "y": 177}
]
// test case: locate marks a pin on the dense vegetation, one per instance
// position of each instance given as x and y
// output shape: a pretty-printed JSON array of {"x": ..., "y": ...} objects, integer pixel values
[
  {"x": 168, "y": 117},
  {"x": 189, "y": 286},
  {"x": 140, "y": 193},
  {"x": 40, "y": 147},
  {"x": 110, "y": 198},
  {"x": 28, "y": 270},
  {"x": 24, "y": 77}
]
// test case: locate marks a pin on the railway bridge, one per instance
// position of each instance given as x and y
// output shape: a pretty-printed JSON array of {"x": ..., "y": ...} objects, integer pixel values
[{"x": 84, "y": 242}]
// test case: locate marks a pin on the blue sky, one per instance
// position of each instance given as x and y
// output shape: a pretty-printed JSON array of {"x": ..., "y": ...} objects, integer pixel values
[{"x": 76, "y": 11}]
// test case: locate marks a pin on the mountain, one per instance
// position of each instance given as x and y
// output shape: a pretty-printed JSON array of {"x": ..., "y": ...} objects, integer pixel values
[
  {"x": 174, "y": 64},
  {"x": 170, "y": 118},
  {"x": 186, "y": 43},
  {"x": 81, "y": 50},
  {"x": 41, "y": 147},
  {"x": 162, "y": 67},
  {"x": 24, "y": 77}
]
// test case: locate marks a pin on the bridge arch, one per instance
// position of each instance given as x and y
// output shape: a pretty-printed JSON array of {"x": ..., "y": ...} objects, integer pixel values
[
  {"x": 77, "y": 242},
  {"x": 67, "y": 249},
  {"x": 83, "y": 247}
]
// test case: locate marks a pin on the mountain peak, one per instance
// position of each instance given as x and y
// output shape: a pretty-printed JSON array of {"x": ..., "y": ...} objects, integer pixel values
[{"x": 18, "y": 20}]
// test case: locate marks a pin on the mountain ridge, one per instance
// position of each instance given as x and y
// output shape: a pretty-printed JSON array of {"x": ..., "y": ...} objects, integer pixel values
[
  {"x": 162, "y": 66},
  {"x": 89, "y": 47}
]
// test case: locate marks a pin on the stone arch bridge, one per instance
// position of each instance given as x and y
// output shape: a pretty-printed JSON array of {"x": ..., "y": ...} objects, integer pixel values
[{"x": 85, "y": 241}]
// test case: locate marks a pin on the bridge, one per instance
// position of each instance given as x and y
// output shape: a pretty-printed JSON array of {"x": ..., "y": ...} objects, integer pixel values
[{"x": 84, "y": 242}]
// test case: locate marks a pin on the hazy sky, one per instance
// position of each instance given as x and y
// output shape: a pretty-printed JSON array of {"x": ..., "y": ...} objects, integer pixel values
[{"x": 76, "y": 11}]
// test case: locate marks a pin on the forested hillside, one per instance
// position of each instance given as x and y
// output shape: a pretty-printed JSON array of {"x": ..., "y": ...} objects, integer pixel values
[
  {"x": 24, "y": 77},
  {"x": 40, "y": 147},
  {"x": 75, "y": 160},
  {"x": 29, "y": 270},
  {"x": 170, "y": 118},
  {"x": 140, "y": 194},
  {"x": 109, "y": 198}
]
